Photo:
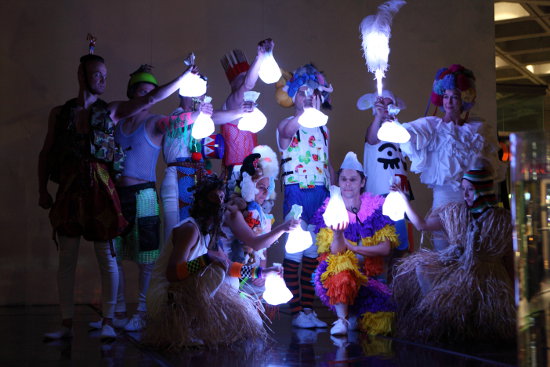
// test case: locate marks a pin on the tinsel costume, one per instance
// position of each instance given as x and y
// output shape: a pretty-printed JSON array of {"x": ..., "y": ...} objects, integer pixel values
[
  {"x": 461, "y": 294},
  {"x": 200, "y": 310},
  {"x": 339, "y": 278}
]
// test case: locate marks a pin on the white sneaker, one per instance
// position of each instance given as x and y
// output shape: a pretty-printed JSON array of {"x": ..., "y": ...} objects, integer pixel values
[
  {"x": 339, "y": 327},
  {"x": 303, "y": 321},
  {"x": 107, "y": 333},
  {"x": 117, "y": 323},
  {"x": 136, "y": 323},
  {"x": 315, "y": 320},
  {"x": 62, "y": 333}
]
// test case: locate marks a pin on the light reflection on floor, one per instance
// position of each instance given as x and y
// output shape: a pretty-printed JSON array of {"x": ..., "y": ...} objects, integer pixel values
[{"x": 21, "y": 330}]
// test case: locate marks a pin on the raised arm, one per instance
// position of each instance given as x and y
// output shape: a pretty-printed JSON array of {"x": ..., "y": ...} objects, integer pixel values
[
  {"x": 45, "y": 199},
  {"x": 242, "y": 231},
  {"x": 264, "y": 47},
  {"x": 123, "y": 109},
  {"x": 251, "y": 77},
  {"x": 221, "y": 117},
  {"x": 371, "y": 136}
]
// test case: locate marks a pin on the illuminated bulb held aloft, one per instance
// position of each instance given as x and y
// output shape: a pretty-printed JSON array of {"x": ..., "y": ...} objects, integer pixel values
[
  {"x": 269, "y": 70},
  {"x": 276, "y": 291},
  {"x": 192, "y": 85},
  {"x": 393, "y": 132}
]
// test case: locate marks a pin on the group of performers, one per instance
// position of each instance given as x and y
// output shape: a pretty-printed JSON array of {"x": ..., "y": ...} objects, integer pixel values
[{"x": 201, "y": 278}]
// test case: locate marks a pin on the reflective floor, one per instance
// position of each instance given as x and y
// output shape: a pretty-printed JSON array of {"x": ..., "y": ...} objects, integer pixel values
[{"x": 21, "y": 330}]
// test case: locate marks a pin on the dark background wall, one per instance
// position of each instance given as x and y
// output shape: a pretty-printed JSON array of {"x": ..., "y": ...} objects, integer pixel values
[{"x": 42, "y": 40}]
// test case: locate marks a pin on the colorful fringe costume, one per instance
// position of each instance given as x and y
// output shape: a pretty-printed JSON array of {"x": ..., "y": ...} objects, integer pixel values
[
  {"x": 200, "y": 310},
  {"x": 339, "y": 277},
  {"x": 461, "y": 294}
]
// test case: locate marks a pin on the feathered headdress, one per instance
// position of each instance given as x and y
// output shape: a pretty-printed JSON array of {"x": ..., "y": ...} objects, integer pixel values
[{"x": 376, "y": 33}]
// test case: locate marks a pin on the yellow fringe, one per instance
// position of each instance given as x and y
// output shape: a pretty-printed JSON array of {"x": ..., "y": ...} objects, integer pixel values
[
  {"x": 325, "y": 236},
  {"x": 378, "y": 323},
  {"x": 323, "y": 240},
  {"x": 341, "y": 262},
  {"x": 374, "y": 346},
  {"x": 386, "y": 233}
]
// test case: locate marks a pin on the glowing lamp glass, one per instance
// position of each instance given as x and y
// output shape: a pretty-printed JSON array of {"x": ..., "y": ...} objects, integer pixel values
[
  {"x": 276, "y": 291},
  {"x": 269, "y": 70},
  {"x": 253, "y": 121},
  {"x": 203, "y": 126},
  {"x": 312, "y": 117},
  {"x": 393, "y": 132},
  {"x": 192, "y": 85},
  {"x": 336, "y": 212},
  {"x": 394, "y": 206},
  {"x": 298, "y": 240}
]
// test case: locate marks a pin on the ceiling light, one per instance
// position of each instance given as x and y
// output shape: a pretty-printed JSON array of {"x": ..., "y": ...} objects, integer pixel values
[
  {"x": 539, "y": 68},
  {"x": 499, "y": 62},
  {"x": 506, "y": 11}
]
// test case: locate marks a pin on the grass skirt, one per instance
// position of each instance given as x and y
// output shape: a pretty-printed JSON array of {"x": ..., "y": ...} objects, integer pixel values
[{"x": 204, "y": 310}]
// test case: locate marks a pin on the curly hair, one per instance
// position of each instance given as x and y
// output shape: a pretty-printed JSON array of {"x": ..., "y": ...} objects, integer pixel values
[{"x": 208, "y": 215}]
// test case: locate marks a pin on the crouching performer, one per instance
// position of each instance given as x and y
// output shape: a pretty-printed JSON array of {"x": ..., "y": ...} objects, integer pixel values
[
  {"x": 351, "y": 264},
  {"x": 190, "y": 302}
]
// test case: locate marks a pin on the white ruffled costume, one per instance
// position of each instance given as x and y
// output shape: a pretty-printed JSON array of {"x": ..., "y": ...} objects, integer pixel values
[{"x": 442, "y": 151}]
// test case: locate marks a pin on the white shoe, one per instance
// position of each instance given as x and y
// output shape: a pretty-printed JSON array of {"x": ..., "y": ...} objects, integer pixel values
[
  {"x": 117, "y": 323},
  {"x": 303, "y": 321},
  {"x": 62, "y": 333},
  {"x": 315, "y": 320},
  {"x": 107, "y": 333},
  {"x": 136, "y": 323},
  {"x": 340, "y": 327},
  {"x": 352, "y": 323}
]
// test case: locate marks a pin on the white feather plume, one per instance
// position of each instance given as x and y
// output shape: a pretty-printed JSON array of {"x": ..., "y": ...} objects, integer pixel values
[{"x": 376, "y": 32}]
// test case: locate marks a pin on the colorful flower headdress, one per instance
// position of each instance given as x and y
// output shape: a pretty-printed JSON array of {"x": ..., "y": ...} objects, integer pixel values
[
  {"x": 308, "y": 75},
  {"x": 454, "y": 77}
]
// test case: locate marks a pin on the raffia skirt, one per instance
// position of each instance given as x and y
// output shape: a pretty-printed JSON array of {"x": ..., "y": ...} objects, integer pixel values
[{"x": 204, "y": 310}]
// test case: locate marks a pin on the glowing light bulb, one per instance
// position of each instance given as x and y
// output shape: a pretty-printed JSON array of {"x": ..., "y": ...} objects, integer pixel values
[
  {"x": 203, "y": 126},
  {"x": 336, "y": 213},
  {"x": 393, "y": 132},
  {"x": 394, "y": 206},
  {"x": 269, "y": 70},
  {"x": 192, "y": 85},
  {"x": 298, "y": 240},
  {"x": 253, "y": 121},
  {"x": 312, "y": 117},
  {"x": 276, "y": 291}
]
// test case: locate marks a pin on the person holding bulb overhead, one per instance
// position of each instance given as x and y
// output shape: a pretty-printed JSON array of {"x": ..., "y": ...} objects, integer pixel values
[{"x": 306, "y": 175}]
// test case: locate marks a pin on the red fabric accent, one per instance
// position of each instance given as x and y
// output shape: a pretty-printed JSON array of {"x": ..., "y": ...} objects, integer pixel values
[
  {"x": 342, "y": 287},
  {"x": 374, "y": 266},
  {"x": 238, "y": 144},
  {"x": 232, "y": 73}
]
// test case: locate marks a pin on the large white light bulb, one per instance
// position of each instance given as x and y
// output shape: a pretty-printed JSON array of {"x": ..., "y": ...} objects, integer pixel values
[
  {"x": 192, "y": 85},
  {"x": 312, "y": 117},
  {"x": 203, "y": 126},
  {"x": 269, "y": 70},
  {"x": 393, "y": 132},
  {"x": 276, "y": 291}
]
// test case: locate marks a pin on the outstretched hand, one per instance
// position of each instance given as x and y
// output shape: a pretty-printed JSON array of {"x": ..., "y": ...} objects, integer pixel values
[
  {"x": 206, "y": 108},
  {"x": 265, "y": 46},
  {"x": 277, "y": 270},
  {"x": 291, "y": 224}
]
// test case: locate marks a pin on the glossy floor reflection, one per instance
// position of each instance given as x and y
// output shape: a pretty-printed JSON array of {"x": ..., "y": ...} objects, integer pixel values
[{"x": 21, "y": 330}]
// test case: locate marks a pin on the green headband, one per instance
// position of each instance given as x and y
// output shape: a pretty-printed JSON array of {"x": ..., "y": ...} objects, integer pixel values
[{"x": 142, "y": 77}]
